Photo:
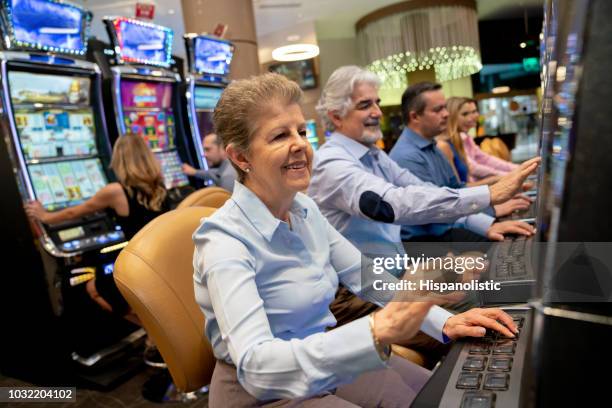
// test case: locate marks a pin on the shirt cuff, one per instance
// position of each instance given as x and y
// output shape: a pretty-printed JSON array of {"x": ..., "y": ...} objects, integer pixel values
[
  {"x": 434, "y": 323},
  {"x": 474, "y": 199},
  {"x": 351, "y": 349},
  {"x": 479, "y": 223}
]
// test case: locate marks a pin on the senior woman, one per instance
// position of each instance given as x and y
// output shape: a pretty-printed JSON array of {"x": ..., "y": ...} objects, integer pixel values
[{"x": 267, "y": 266}]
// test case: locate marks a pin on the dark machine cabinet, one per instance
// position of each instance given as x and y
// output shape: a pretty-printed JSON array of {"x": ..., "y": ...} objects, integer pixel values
[{"x": 54, "y": 332}]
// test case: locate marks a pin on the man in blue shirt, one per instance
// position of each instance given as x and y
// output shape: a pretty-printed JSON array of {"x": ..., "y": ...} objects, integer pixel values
[
  {"x": 365, "y": 195},
  {"x": 425, "y": 115}
]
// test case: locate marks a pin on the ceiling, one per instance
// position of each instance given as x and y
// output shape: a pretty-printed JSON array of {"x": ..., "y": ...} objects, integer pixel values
[
  {"x": 334, "y": 18},
  {"x": 277, "y": 15}
]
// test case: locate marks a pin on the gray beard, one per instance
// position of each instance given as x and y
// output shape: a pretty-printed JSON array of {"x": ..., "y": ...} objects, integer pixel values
[{"x": 371, "y": 138}]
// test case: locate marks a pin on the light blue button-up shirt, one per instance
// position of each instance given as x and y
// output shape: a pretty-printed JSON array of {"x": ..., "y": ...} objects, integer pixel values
[
  {"x": 265, "y": 290},
  {"x": 345, "y": 170},
  {"x": 425, "y": 160}
]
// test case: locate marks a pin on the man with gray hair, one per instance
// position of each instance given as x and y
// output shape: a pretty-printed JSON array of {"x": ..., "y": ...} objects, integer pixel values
[{"x": 366, "y": 196}]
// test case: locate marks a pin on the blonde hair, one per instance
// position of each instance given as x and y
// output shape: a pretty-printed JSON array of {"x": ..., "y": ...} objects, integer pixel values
[
  {"x": 243, "y": 101},
  {"x": 139, "y": 171},
  {"x": 454, "y": 105}
]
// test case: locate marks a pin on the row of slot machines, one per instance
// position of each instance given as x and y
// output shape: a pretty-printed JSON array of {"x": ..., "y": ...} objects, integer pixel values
[
  {"x": 65, "y": 99},
  {"x": 561, "y": 357}
]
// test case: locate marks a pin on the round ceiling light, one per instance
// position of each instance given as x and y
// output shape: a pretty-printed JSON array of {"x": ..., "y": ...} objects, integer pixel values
[{"x": 295, "y": 52}]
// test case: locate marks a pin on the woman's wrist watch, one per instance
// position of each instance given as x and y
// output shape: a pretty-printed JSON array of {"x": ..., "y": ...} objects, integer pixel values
[{"x": 384, "y": 352}]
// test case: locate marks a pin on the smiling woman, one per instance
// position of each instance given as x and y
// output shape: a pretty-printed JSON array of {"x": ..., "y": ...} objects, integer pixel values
[
  {"x": 268, "y": 264},
  {"x": 262, "y": 125}
]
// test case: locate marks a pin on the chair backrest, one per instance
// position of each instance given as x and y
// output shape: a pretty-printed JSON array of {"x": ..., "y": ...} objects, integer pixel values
[
  {"x": 154, "y": 272},
  {"x": 213, "y": 197},
  {"x": 500, "y": 147},
  {"x": 495, "y": 147}
]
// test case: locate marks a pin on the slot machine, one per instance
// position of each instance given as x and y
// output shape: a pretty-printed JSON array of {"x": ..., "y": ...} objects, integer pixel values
[
  {"x": 209, "y": 60},
  {"x": 55, "y": 150},
  {"x": 572, "y": 314},
  {"x": 145, "y": 91},
  {"x": 565, "y": 329}
]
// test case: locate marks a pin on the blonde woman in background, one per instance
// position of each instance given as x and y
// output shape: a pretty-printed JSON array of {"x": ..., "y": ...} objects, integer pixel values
[
  {"x": 470, "y": 162},
  {"x": 135, "y": 199}
]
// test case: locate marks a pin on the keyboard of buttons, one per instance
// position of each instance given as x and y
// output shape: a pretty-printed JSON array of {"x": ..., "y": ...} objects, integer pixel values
[{"x": 487, "y": 368}]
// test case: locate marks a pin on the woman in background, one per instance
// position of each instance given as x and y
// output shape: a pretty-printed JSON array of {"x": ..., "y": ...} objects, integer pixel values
[
  {"x": 470, "y": 163},
  {"x": 135, "y": 199}
]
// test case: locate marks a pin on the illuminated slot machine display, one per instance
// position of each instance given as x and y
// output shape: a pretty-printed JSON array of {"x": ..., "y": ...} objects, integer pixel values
[
  {"x": 56, "y": 150},
  {"x": 209, "y": 59},
  {"x": 311, "y": 133},
  {"x": 55, "y": 127},
  {"x": 145, "y": 93}
]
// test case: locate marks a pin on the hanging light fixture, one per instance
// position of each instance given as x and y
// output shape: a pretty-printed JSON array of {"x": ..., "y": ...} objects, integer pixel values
[
  {"x": 295, "y": 52},
  {"x": 417, "y": 35}
]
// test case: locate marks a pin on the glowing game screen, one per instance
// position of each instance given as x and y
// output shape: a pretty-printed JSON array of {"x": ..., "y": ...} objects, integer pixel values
[
  {"x": 46, "y": 24},
  {"x": 46, "y": 128},
  {"x": 147, "y": 112},
  {"x": 206, "y": 99},
  {"x": 212, "y": 56},
  {"x": 311, "y": 134},
  {"x": 141, "y": 94},
  {"x": 55, "y": 133},
  {"x": 29, "y": 88},
  {"x": 63, "y": 184},
  {"x": 142, "y": 42},
  {"x": 171, "y": 169}
]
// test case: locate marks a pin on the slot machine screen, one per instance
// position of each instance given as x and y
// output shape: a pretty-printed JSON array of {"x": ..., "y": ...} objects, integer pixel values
[
  {"x": 171, "y": 169},
  {"x": 147, "y": 112},
  {"x": 47, "y": 25},
  {"x": 206, "y": 99},
  {"x": 141, "y": 42},
  {"x": 62, "y": 184},
  {"x": 28, "y": 88},
  {"x": 52, "y": 133},
  {"x": 311, "y": 134},
  {"x": 212, "y": 56},
  {"x": 52, "y": 115}
]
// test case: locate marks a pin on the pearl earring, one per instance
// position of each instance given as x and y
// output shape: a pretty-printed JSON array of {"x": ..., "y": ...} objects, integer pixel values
[{"x": 247, "y": 170}]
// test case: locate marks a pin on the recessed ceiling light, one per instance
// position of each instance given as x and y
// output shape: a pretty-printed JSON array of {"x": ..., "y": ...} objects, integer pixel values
[
  {"x": 171, "y": 11},
  {"x": 523, "y": 45},
  {"x": 500, "y": 89},
  {"x": 295, "y": 52}
]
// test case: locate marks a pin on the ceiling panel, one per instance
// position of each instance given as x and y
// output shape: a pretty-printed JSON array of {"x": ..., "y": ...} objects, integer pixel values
[{"x": 276, "y": 15}]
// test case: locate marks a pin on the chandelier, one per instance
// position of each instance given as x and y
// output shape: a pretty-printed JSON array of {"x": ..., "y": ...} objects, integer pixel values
[{"x": 421, "y": 35}]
